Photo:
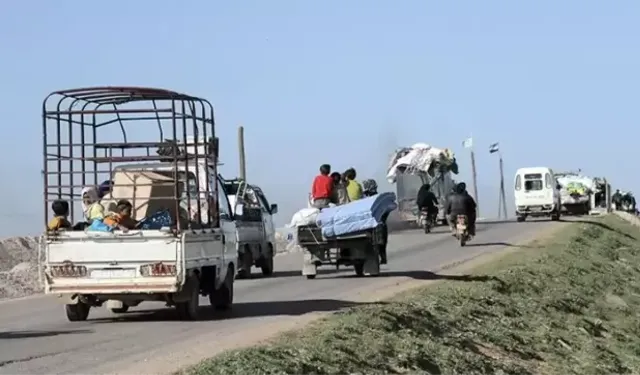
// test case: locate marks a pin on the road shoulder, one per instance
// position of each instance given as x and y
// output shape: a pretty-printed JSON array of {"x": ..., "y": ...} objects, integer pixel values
[{"x": 537, "y": 308}]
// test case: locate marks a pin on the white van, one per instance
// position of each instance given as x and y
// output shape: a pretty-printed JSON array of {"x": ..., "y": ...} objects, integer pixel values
[{"x": 537, "y": 193}]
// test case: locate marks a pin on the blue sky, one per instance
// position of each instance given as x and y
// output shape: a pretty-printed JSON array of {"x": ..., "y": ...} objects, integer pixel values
[{"x": 344, "y": 82}]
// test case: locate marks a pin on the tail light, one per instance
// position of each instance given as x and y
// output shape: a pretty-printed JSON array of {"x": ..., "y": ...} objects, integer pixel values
[
  {"x": 68, "y": 270},
  {"x": 158, "y": 269}
]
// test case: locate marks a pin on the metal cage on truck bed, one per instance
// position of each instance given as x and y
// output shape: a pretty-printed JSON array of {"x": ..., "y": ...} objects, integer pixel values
[{"x": 80, "y": 150}]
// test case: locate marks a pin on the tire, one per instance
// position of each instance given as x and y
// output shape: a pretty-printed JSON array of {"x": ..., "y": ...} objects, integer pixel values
[
  {"x": 311, "y": 277},
  {"x": 463, "y": 240},
  {"x": 555, "y": 217},
  {"x": 78, "y": 312},
  {"x": 222, "y": 298},
  {"x": 267, "y": 265},
  {"x": 188, "y": 310},
  {"x": 359, "y": 268},
  {"x": 521, "y": 219},
  {"x": 120, "y": 310}
]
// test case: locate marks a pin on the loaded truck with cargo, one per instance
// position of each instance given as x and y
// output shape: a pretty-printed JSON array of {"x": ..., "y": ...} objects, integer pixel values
[
  {"x": 412, "y": 167},
  {"x": 183, "y": 243},
  {"x": 580, "y": 194}
]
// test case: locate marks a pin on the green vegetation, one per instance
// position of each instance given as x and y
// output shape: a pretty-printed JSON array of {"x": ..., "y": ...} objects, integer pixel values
[{"x": 569, "y": 306}]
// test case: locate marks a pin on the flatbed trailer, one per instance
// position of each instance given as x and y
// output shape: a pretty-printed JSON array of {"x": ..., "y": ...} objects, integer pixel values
[{"x": 360, "y": 250}]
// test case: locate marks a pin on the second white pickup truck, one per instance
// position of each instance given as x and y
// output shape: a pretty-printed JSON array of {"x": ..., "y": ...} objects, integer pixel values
[{"x": 256, "y": 234}]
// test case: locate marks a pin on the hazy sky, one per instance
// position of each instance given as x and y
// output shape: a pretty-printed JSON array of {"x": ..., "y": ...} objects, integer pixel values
[{"x": 344, "y": 82}]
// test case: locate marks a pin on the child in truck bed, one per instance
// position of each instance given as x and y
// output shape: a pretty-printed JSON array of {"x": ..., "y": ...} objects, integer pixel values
[
  {"x": 121, "y": 218},
  {"x": 60, "y": 210}
]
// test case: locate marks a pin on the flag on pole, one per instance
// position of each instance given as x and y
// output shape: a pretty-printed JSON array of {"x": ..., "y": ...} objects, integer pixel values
[
  {"x": 467, "y": 143},
  {"x": 494, "y": 147}
]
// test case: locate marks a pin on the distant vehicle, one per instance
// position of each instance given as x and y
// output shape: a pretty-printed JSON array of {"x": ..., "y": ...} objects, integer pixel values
[
  {"x": 579, "y": 194},
  {"x": 537, "y": 193},
  {"x": 407, "y": 187},
  {"x": 256, "y": 232}
]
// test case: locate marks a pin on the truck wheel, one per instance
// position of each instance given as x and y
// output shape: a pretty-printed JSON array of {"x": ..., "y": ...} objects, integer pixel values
[
  {"x": 311, "y": 277},
  {"x": 267, "y": 265},
  {"x": 358, "y": 266},
  {"x": 188, "y": 310},
  {"x": 222, "y": 298},
  {"x": 120, "y": 310},
  {"x": 245, "y": 262},
  {"x": 520, "y": 219},
  {"x": 78, "y": 312},
  {"x": 555, "y": 216}
]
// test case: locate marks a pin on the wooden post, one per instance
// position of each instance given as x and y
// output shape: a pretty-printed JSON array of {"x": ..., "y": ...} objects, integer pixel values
[
  {"x": 475, "y": 182},
  {"x": 503, "y": 196},
  {"x": 242, "y": 161}
]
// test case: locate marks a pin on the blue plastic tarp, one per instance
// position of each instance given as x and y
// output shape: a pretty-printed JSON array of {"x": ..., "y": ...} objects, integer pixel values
[{"x": 356, "y": 216}]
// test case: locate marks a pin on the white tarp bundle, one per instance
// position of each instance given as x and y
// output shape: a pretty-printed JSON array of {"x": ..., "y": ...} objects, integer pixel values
[
  {"x": 305, "y": 216},
  {"x": 421, "y": 158}
]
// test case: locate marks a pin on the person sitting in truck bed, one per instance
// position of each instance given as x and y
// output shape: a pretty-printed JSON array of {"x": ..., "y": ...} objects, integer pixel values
[
  {"x": 340, "y": 195},
  {"x": 91, "y": 206},
  {"x": 322, "y": 188},
  {"x": 121, "y": 218},
  {"x": 354, "y": 189},
  {"x": 60, "y": 210}
]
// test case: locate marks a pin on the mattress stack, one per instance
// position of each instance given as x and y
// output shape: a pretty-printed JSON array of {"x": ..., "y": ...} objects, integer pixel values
[{"x": 356, "y": 216}]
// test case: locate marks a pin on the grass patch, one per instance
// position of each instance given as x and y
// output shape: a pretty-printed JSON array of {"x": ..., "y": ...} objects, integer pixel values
[{"x": 570, "y": 306}]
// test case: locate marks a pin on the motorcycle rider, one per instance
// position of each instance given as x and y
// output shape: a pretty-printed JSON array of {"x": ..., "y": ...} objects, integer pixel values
[
  {"x": 461, "y": 203},
  {"x": 427, "y": 200}
]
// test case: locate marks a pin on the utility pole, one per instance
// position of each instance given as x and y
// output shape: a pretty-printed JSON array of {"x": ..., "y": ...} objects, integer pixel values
[
  {"x": 502, "y": 198},
  {"x": 468, "y": 143},
  {"x": 607, "y": 192},
  {"x": 242, "y": 161}
]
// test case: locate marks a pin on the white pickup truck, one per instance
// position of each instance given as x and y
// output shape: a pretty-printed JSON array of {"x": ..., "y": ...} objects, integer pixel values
[
  {"x": 256, "y": 237},
  {"x": 183, "y": 242}
]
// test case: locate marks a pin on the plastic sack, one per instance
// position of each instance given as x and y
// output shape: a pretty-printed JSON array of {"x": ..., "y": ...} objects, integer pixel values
[
  {"x": 305, "y": 216},
  {"x": 159, "y": 220},
  {"x": 99, "y": 226}
]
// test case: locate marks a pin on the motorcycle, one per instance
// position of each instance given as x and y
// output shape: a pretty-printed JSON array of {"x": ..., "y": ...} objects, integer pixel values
[
  {"x": 462, "y": 230},
  {"x": 427, "y": 221}
]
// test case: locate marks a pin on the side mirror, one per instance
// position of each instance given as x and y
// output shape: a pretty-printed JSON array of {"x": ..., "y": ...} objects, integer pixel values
[{"x": 274, "y": 209}]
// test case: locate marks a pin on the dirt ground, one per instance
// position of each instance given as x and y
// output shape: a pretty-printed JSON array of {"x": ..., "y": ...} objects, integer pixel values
[{"x": 18, "y": 267}]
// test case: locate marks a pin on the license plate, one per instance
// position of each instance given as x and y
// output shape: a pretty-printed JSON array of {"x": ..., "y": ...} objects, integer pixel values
[
  {"x": 536, "y": 208},
  {"x": 114, "y": 273}
]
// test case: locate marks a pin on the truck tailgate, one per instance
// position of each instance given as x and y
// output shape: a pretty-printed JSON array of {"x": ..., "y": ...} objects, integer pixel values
[{"x": 134, "y": 262}]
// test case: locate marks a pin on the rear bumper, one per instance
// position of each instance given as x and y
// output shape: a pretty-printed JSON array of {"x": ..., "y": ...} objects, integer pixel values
[
  {"x": 536, "y": 210},
  {"x": 150, "y": 285}
]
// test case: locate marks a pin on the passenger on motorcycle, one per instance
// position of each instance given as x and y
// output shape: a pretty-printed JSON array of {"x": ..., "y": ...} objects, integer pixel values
[
  {"x": 427, "y": 201},
  {"x": 461, "y": 203}
]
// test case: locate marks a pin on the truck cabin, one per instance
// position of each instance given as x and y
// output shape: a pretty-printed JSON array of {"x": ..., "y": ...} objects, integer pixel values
[
  {"x": 250, "y": 197},
  {"x": 154, "y": 148}
]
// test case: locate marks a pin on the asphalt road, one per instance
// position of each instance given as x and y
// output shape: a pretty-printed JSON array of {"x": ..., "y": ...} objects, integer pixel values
[{"x": 36, "y": 338}]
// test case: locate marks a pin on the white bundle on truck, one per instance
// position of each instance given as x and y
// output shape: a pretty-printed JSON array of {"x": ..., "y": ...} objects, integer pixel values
[{"x": 421, "y": 158}]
